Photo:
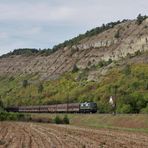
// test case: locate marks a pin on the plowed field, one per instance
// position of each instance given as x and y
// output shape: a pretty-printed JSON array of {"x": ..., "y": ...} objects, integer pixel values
[{"x": 33, "y": 135}]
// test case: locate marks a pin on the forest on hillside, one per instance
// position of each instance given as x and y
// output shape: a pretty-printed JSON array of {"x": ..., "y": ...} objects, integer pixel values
[{"x": 129, "y": 84}]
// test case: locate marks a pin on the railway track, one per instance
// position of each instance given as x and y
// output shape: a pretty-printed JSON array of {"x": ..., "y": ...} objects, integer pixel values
[{"x": 36, "y": 135}]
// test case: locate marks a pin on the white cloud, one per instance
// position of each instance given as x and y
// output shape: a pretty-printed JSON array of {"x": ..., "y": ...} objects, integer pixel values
[
  {"x": 73, "y": 11},
  {"x": 34, "y": 12}
]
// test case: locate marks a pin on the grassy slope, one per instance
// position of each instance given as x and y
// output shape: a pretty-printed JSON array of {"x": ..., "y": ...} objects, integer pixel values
[
  {"x": 132, "y": 122},
  {"x": 132, "y": 83}
]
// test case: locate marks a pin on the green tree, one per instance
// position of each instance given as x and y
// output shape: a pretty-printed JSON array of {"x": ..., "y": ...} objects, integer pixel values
[
  {"x": 144, "y": 110},
  {"x": 101, "y": 63},
  {"x": 135, "y": 85},
  {"x": 140, "y": 19},
  {"x": 58, "y": 120},
  {"x": 40, "y": 88},
  {"x": 25, "y": 83},
  {"x": 127, "y": 70},
  {"x": 126, "y": 108},
  {"x": 146, "y": 86},
  {"x": 109, "y": 61},
  {"x": 1, "y": 105},
  {"x": 75, "y": 68}
]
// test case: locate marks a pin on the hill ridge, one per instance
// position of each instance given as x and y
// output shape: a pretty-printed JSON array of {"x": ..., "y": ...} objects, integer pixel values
[{"x": 115, "y": 43}]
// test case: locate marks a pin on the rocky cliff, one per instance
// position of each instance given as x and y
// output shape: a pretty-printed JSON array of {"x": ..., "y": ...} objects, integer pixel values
[{"x": 115, "y": 43}]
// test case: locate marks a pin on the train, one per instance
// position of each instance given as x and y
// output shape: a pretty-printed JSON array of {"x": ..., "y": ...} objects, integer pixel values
[{"x": 86, "y": 107}]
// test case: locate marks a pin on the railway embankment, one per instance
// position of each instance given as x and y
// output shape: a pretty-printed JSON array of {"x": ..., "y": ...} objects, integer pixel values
[{"x": 129, "y": 122}]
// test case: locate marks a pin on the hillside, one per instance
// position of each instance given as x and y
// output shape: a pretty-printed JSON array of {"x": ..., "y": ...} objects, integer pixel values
[
  {"x": 88, "y": 69},
  {"x": 89, "y": 51}
]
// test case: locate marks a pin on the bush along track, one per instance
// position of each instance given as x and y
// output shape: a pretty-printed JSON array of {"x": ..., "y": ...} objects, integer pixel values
[{"x": 8, "y": 116}]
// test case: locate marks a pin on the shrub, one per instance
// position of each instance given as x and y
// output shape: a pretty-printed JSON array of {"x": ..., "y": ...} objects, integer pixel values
[
  {"x": 104, "y": 107},
  {"x": 25, "y": 83},
  {"x": 89, "y": 63},
  {"x": 103, "y": 63},
  {"x": 146, "y": 86},
  {"x": 11, "y": 117},
  {"x": 141, "y": 75},
  {"x": 1, "y": 103},
  {"x": 109, "y": 61},
  {"x": 117, "y": 34},
  {"x": 1, "y": 109},
  {"x": 1, "y": 106},
  {"x": 144, "y": 110},
  {"x": 40, "y": 88},
  {"x": 66, "y": 119},
  {"x": 135, "y": 85},
  {"x": 5, "y": 116},
  {"x": 127, "y": 70},
  {"x": 129, "y": 55},
  {"x": 75, "y": 68},
  {"x": 11, "y": 78},
  {"x": 83, "y": 74},
  {"x": 138, "y": 53},
  {"x": 58, "y": 120},
  {"x": 2, "y": 116},
  {"x": 126, "y": 108}
]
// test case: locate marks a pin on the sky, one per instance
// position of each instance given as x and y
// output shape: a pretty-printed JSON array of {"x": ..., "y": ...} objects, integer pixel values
[{"x": 45, "y": 23}]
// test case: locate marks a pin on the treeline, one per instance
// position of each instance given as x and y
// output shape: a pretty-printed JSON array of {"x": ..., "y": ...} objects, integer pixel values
[
  {"x": 89, "y": 33},
  {"x": 21, "y": 51},
  {"x": 6, "y": 116},
  {"x": 140, "y": 19},
  {"x": 9, "y": 116},
  {"x": 29, "y": 52},
  {"x": 73, "y": 41}
]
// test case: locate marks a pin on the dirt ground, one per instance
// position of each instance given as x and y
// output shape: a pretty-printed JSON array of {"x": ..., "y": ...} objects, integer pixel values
[{"x": 34, "y": 135}]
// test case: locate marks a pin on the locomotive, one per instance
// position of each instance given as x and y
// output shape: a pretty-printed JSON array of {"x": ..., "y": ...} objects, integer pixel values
[{"x": 86, "y": 107}]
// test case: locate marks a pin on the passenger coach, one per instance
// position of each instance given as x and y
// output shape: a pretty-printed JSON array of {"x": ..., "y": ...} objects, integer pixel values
[{"x": 87, "y": 107}]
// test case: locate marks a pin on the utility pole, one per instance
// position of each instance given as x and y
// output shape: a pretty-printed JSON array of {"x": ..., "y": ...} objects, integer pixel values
[
  {"x": 111, "y": 102},
  {"x": 115, "y": 99},
  {"x": 67, "y": 101},
  {"x": 68, "y": 96}
]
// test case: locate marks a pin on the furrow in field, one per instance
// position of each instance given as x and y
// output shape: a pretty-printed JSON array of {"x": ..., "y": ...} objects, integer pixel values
[{"x": 33, "y": 135}]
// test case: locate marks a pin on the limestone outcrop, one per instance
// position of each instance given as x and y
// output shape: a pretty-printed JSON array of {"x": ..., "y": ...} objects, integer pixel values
[{"x": 89, "y": 51}]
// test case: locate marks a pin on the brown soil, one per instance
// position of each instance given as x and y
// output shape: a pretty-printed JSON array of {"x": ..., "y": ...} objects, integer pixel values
[{"x": 32, "y": 135}]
